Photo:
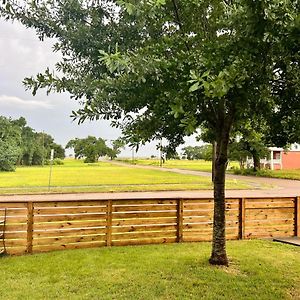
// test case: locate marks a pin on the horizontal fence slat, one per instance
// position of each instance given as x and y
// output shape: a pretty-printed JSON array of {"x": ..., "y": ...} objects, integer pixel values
[
  {"x": 38, "y": 205},
  {"x": 136, "y": 228},
  {"x": 141, "y": 221},
  {"x": 68, "y": 240},
  {"x": 70, "y": 224},
  {"x": 148, "y": 208},
  {"x": 69, "y": 210},
  {"x": 69, "y": 217},
  {"x": 158, "y": 240},
  {"x": 142, "y": 235},
  {"x": 69, "y": 232},
  {"x": 80, "y": 245}
]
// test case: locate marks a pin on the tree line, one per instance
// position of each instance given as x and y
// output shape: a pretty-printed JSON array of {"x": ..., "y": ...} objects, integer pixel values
[{"x": 22, "y": 145}]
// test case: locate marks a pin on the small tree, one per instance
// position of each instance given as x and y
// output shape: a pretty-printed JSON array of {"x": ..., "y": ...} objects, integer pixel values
[
  {"x": 90, "y": 148},
  {"x": 115, "y": 150}
]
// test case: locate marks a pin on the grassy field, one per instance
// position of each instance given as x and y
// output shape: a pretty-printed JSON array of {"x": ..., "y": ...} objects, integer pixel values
[
  {"x": 202, "y": 165},
  {"x": 259, "y": 270},
  {"x": 75, "y": 176},
  {"x": 287, "y": 174},
  {"x": 197, "y": 165}
]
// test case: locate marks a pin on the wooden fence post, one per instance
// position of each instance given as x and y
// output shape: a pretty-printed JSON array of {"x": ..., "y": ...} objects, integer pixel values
[
  {"x": 297, "y": 217},
  {"x": 179, "y": 220},
  {"x": 242, "y": 203},
  {"x": 109, "y": 223},
  {"x": 29, "y": 226}
]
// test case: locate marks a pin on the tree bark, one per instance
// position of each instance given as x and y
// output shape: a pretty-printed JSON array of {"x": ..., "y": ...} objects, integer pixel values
[
  {"x": 219, "y": 256},
  {"x": 256, "y": 161}
]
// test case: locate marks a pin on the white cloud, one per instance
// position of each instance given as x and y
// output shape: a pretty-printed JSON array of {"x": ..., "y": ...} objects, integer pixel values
[{"x": 18, "y": 103}]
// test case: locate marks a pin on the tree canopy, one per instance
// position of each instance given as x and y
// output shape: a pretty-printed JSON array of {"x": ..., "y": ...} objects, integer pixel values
[
  {"x": 163, "y": 68},
  {"x": 22, "y": 145},
  {"x": 92, "y": 148}
]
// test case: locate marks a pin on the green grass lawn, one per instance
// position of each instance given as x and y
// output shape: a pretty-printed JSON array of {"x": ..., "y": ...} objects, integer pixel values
[
  {"x": 287, "y": 174},
  {"x": 75, "y": 176},
  {"x": 259, "y": 270},
  {"x": 197, "y": 165}
]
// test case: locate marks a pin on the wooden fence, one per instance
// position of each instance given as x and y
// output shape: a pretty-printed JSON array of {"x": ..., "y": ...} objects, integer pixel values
[{"x": 44, "y": 226}]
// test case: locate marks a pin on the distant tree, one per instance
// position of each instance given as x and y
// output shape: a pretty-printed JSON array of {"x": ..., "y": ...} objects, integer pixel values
[
  {"x": 250, "y": 140},
  {"x": 36, "y": 146},
  {"x": 90, "y": 148},
  {"x": 10, "y": 140},
  {"x": 115, "y": 150},
  {"x": 198, "y": 152}
]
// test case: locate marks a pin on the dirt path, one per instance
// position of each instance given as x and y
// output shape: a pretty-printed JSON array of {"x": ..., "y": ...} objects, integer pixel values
[{"x": 280, "y": 187}]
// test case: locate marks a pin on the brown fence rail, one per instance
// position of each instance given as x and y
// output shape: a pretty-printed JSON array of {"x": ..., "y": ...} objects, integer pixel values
[{"x": 41, "y": 226}]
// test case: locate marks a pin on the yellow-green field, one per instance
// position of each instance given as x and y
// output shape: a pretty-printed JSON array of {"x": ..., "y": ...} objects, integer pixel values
[
  {"x": 76, "y": 176},
  {"x": 197, "y": 165}
]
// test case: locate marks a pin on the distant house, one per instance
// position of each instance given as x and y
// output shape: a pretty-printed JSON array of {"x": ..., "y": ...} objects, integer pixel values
[{"x": 281, "y": 159}]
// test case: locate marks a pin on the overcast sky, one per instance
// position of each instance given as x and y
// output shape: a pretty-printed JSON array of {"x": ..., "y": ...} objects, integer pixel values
[{"x": 23, "y": 55}]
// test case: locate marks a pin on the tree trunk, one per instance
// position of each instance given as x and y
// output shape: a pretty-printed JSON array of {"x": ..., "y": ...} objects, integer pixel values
[
  {"x": 214, "y": 148},
  {"x": 256, "y": 161},
  {"x": 219, "y": 256}
]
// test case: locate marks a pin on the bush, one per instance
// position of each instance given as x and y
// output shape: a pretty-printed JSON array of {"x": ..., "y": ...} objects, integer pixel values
[
  {"x": 251, "y": 172},
  {"x": 56, "y": 161}
]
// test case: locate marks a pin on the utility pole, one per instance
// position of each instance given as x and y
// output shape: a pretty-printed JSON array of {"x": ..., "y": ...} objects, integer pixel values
[
  {"x": 160, "y": 153},
  {"x": 51, "y": 165},
  {"x": 43, "y": 153},
  {"x": 132, "y": 155}
]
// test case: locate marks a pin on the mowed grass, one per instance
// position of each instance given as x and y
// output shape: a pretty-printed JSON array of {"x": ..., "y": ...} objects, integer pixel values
[
  {"x": 258, "y": 270},
  {"x": 76, "y": 176},
  {"x": 197, "y": 165},
  {"x": 286, "y": 174}
]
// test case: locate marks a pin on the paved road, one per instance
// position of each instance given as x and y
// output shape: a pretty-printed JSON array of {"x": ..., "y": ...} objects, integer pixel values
[{"x": 280, "y": 187}]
